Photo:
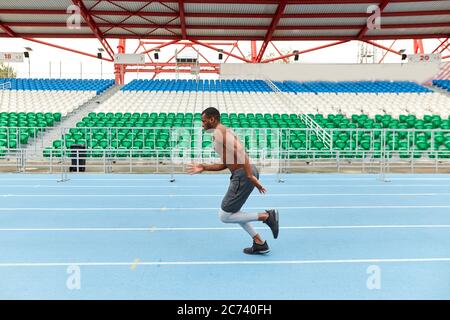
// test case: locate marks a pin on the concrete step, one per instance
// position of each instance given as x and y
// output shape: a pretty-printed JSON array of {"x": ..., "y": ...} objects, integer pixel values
[
  {"x": 70, "y": 120},
  {"x": 438, "y": 89}
]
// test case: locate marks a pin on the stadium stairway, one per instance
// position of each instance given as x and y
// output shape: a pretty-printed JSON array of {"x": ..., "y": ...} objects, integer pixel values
[
  {"x": 438, "y": 89},
  {"x": 72, "y": 119},
  {"x": 254, "y": 104}
]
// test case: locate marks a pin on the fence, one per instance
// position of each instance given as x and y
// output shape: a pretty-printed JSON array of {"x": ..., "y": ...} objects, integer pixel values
[
  {"x": 280, "y": 150},
  {"x": 5, "y": 85}
]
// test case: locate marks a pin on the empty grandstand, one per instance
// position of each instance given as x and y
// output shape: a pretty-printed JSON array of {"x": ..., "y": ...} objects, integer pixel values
[
  {"x": 112, "y": 181},
  {"x": 29, "y": 107},
  {"x": 162, "y": 118},
  {"x": 364, "y": 119}
]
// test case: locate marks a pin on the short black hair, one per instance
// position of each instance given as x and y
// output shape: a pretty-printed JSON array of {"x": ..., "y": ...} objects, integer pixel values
[{"x": 211, "y": 112}]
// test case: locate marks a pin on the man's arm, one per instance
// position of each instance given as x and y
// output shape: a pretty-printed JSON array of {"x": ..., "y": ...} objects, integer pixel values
[
  {"x": 242, "y": 155},
  {"x": 214, "y": 167},
  {"x": 199, "y": 168}
]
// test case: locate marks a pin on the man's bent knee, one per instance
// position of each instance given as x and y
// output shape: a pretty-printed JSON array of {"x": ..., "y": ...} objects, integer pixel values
[{"x": 224, "y": 216}]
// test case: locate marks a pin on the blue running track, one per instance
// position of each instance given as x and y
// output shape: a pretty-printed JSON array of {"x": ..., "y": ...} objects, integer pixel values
[{"x": 143, "y": 237}]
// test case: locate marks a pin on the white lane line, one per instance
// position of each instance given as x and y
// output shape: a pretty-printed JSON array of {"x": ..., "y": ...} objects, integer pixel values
[
  {"x": 222, "y": 194},
  {"x": 83, "y": 179},
  {"x": 225, "y": 177},
  {"x": 286, "y": 185},
  {"x": 216, "y": 208},
  {"x": 230, "y": 262},
  {"x": 153, "y": 229}
]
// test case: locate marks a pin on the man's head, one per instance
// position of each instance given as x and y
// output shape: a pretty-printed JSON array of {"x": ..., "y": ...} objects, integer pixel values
[{"x": 210, "y": 118}]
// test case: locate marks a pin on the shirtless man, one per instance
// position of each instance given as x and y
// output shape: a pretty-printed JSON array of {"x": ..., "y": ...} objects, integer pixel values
[{"x": 244, "y": 178}]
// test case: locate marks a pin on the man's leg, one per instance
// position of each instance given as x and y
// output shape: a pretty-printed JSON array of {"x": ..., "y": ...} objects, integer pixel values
[
  {"x": 243, "y": 220},
  {"x": 269, "y": 217},
  {"x": 238, "y": 192}
]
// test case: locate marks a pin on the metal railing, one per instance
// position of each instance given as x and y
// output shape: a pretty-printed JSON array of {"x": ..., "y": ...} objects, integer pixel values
[
  {"x": 276, "y": 162},
  {"x": 378, "y": 138},
  {"x": 306, "y": 119},
  {"x": 5, "y": 85},
  {"x": 280, "y": 150}
]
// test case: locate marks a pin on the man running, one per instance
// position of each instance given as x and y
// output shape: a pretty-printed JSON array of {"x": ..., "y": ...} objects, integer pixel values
[{"x": 244, "y": 178}]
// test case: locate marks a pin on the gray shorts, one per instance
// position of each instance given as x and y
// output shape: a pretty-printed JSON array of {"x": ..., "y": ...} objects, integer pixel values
[{"x": 239, "y": 190}]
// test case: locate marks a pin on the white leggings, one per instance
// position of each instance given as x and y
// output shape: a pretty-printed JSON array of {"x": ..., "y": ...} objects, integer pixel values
[{"x": 241, "y": 218}]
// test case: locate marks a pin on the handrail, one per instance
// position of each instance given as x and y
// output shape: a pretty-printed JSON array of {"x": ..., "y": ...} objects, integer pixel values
[
  {"x": 326, "y": 138},
  {"x": 5, "y": 85}
]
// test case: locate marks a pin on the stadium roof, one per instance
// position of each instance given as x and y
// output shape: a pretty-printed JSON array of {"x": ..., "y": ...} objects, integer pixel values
[{"x": 264, "y": 20}]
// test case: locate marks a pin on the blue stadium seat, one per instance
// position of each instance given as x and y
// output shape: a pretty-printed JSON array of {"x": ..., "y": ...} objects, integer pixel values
[
  {"x": 353, "y": 87},
  {"x": 286, "y": 86},
  {"x": 444, "y": 84},
  {"x": 59, "y": 84},
  {"x": 201, "y": 85}
]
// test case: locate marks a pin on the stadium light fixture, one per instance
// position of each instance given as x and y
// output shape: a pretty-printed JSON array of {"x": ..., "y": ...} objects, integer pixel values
[
  {"x": 402, "y": 52},
  {"x": 100, "y": 56},
  {"x": 99, "y": 53},
  {"x": 26, "y": 54}
]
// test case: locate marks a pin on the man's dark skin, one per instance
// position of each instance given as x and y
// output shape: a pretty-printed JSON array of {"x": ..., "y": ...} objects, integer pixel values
[{"x": 237, "y": 153}]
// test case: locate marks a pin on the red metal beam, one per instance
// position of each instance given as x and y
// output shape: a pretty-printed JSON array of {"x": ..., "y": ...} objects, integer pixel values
[
  {"x": 159, "y": 67},
  {"x": 385, "y": 54},
  {"x": 254, "y": 51},
  {"x": 138, "y": 13},
  {"x": 443, "y": 42},
  {"x": 174, "y": 64},
  {"x": 66, "y": 49},
  {"x": 382, "y": 47},
  {"x": 215, "y": 43},
  {"x": 6, "y": 29},
  {"x": 161, "y": 46},
  {"x": 160, "y": 70},
  {"x": 90, "y": 21},
  {"x": 120, "y": 69},
  {"x": 229, "y": 27},
  {"x": 173, "y": 57},
  {"x": 231, "y": 51},
  {"x": 364, "y": 30},
  {"x": 120, "y": 24},
  {"x": 200, "y": 54},
  {"x": 265, "y": 2},
  {"x": 239, "y": 49},
  {"x": 365, "y": 15},
  {"x": 272, "y": 28},
  {"x": 418, "y": 46},
  {"x": 279, "y": 52},
  {"x": 227, "y": 15},
  {"x": 304, "y": 51},
  {"x": 444, "y": 48},
  {"x": 230, "y": 38},
  {"x": 182, "y": 18},
  {"x": 143, "y": 46},
  {"x": 223, "y": 51},
  {"x": 236, "y": 46}
]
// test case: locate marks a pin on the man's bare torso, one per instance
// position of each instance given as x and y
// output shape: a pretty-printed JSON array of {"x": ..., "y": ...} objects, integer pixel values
[{"x": 229, "y": 148}]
